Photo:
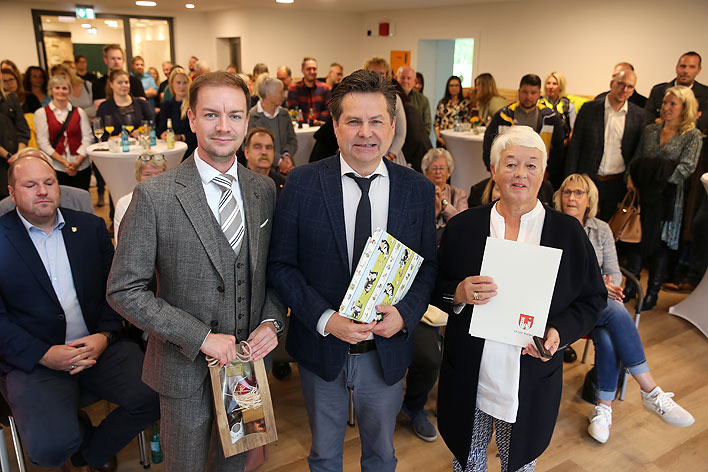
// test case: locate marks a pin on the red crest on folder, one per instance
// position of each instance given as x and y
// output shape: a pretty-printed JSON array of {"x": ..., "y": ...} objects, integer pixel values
[{"x": 525, "y": 321}]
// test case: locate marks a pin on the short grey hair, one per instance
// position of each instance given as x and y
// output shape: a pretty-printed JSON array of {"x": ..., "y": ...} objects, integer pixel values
[
  {"x": 433, "y": 154},
  {"x": 269, "y": 86},
  {"x": 517, "y": 136}
]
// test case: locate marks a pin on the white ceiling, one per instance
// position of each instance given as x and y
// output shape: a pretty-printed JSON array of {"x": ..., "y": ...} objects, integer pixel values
[{"x": 105, "y": 6}]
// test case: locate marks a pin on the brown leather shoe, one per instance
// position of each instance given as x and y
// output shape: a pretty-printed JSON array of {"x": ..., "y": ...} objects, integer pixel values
[
  {"x": 683, "y": 287},
  {"x": 69, "y": 467},
  {"x": 110, "y": 466}
]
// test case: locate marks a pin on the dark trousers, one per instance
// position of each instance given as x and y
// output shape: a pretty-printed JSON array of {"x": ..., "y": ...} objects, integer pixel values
[
  {"x": 45, "y": 402},
  {"x": 82, "y": 179},
  {"x": 424, "y": 369},
  {"x": 611, "y": 192}
]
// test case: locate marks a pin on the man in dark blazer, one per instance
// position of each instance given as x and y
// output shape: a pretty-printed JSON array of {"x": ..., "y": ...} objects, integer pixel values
[
  {"x": 203, "y": 229},
  {"x": 321, "y": 223},
  {"x": 605, "y": 136},
  {"x": 57, "y": 331},
  {"x": 687, "y": 68}
]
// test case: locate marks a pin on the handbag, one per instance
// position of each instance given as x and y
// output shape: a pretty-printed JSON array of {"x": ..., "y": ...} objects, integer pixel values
[{"x": 625, "y": 223}]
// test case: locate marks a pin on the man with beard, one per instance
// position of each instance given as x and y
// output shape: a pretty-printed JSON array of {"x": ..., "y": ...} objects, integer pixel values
[
  {"x": 310, "y": 94},
  {"x": 527, "y": 111},
  {"x": 204, "y": 229}
]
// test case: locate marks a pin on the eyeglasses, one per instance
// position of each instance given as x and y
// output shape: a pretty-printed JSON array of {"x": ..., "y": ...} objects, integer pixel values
[
  {"x": 437, "y": 168},
  {"x": 625, "y": 85},
  {"x": 148, "y": 156},
  {"x": 578, "y": 193}
]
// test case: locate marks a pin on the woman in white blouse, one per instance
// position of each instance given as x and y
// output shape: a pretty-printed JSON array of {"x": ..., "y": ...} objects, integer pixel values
[
  {"x": 484, "y": 384},
  {"x": 65, "y": 143}
]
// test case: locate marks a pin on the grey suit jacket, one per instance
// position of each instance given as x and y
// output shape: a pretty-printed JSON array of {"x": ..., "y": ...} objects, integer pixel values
[{"x": 170, "y": 231}]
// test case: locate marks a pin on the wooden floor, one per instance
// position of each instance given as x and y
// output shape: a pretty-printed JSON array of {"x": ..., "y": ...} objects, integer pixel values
[{"x": 678, "y": 357}]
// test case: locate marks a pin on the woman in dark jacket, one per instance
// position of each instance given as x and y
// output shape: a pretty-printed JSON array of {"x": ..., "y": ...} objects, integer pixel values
[
  {"x": 484, "y": 384},
  {"x": 122, "y": 108},
  {"x": 14, "y": 133},
  {"x": 176, "y": 109}
]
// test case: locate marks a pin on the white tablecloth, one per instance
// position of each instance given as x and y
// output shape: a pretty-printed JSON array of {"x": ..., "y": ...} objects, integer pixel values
[
  {"x": 118, "y": 168},
  {"x": 305, "y": 143},
  {"x": 693, "y": 307},
  {"x": 466, "y": 150}
]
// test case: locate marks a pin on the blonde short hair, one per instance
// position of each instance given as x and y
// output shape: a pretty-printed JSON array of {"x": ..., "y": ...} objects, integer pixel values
[
  {"x": 590, "y": 188},
  {"x": 560, "y": 78},
  {"x": 141, "y": 164},
  {"x": 517, "y": 136},
  {"x": 58, "y": 79}
]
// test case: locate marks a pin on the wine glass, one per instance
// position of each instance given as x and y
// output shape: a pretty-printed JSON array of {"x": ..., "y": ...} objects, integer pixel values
[
  {"x": 108, "y": 125},
  {"x": 129, "y": 122},
  {"x": 98, "y": 128}
]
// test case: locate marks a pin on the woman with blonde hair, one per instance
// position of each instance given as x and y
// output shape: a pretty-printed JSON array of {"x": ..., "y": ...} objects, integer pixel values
[
  {"x": 176, "y": 108},
  {"x": 82, "y": 90},
  {"x": 554, "y": 97},
  {"x": 666, "y": 156},
  {"x": 615, "y": 335},
  {"x": 486, "y": 97}
]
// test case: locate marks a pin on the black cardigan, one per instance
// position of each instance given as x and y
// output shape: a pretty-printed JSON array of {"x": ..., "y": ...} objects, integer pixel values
[
  {"x": 578, "y": 298},
  {"x": 141, "y": 111}
]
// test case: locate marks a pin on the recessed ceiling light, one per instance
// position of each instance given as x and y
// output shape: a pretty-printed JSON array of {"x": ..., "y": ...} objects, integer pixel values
[
  {"x": 111, "y": 23},
  {"x": 189, "y": 5},
  {"x": 86, "y": 25},
  {"x": 143, "y": 3},
  {"x": 285, "y": 1}
]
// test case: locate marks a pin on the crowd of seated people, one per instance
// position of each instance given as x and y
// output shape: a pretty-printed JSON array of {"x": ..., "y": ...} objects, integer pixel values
[{"x": 595, "y": 151}]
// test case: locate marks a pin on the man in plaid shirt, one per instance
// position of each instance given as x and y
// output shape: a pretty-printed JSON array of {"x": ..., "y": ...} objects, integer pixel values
[{"x": 310, "y": 93}]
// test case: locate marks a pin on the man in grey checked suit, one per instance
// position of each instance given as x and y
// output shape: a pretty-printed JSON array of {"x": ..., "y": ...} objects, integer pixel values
[{"x": 203, "y": 229}]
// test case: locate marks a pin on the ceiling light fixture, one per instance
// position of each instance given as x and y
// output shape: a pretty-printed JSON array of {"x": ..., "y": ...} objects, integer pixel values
[
  {"x": 143, "y": 3},
  {"x": 111, "y": 23},
  {"x": 189, "y": 5},
  {"x": 285, "y": 1},
  {"x": 86, "y": 25}
]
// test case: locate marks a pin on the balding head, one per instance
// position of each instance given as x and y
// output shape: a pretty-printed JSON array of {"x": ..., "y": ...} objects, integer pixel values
[
  {"x": 35, "y": 190},
  {"x": 406, "y": 77}
]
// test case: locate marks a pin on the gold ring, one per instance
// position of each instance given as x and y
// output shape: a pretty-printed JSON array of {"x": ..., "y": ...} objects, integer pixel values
[{"x": 475, "y": 295}]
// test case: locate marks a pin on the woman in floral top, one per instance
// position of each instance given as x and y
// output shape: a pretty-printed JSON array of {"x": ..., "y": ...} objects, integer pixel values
[
  {"x": 452, "y": 104},
  {"x": 665, "y": 158}
]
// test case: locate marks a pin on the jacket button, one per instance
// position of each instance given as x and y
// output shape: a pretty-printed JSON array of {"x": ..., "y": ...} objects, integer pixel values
[
  {"x": 61, "y": 317},
  {"x": 214, "y": 323},
  {"x": 220, "y": 289},
  {"x": 240, "y": 316},
  {"x": 239, "y": 282},
  {"x": 238, "y": 332},
  {"x": 239, "y": 265},
  {"x": 240, "y": 299}
]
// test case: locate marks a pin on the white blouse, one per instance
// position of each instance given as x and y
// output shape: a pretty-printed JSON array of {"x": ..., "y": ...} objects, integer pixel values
[
  {"x": 500, "y": 368},
  {"x": 40, "y": 123}
]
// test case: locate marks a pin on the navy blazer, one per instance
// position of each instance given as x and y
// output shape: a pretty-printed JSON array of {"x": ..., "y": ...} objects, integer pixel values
[
  {"x": 309, "y": 267},
  {"x": 31, "y": 317},
  {"x": 578, "y": 298},
  {"x": 587, "y": 143}
]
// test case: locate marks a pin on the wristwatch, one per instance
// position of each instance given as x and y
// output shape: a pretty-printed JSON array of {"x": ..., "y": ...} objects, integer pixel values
[
  {"x": 109, "y": 336},
  {"x": 444, "y": 202},
  {"x": 278, "y": 327}
]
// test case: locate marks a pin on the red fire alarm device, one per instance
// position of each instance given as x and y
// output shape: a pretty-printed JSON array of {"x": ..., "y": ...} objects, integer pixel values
[{"x": 383, "y": 29}]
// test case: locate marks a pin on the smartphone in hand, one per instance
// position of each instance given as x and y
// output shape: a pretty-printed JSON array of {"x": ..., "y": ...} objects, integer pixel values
[{"x": 539, "y": 342}]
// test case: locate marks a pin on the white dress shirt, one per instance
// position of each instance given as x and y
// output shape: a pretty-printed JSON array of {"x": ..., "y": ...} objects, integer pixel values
[
  {"x": 500, "y": 368},
  {"x": 52, "y": 251},
  {"x": 612, "y": 161},
  {"x": 44, "y": 143},
  {"x": 351, "y": 193}
]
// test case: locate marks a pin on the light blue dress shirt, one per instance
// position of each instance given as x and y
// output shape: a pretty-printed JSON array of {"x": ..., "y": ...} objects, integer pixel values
[{"x": 52, "y": 251}]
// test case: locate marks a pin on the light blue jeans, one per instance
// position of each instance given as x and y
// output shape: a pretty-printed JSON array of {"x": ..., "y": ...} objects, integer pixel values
[{"x": 616, "y": 340}]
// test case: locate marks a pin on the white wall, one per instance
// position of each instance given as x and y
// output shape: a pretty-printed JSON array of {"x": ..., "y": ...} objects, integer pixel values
[{"x": 582, "y": 39}]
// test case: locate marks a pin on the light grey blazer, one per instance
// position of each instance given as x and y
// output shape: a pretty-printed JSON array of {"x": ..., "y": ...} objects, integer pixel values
[{"x": 170, "y": 231}]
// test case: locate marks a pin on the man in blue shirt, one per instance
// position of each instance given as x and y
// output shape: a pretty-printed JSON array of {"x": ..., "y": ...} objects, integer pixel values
[
  {"x": 57, "y": 332},
  {"x": 147, "y": 80}
]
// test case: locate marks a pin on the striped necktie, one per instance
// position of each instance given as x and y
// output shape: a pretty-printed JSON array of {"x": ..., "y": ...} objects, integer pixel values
[{"x": 230, "y": 216}]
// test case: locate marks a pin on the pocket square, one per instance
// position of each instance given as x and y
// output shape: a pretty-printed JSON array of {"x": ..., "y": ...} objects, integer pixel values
[{"x": 265, "y": 222}]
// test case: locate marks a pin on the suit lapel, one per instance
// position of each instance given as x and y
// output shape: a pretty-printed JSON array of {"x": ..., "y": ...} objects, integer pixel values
[
  {"x": 331, "y": 181},
  {"x": 72, "y": 235},
  {"x": 18, "y": 237},
  {"x": 194, "y": 203},
  {"x": 252, "y": 209},
  {"x": 397, "y": 199}
]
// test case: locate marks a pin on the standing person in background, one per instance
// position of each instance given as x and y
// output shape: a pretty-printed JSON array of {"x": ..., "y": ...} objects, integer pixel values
[
  {"x": 324, "y": 217},
  {"x": 64, "y": 134},
  {"x": 147, "y": 81},
  {"x": 81, "y": 65},
  {"x": 452, "y": 108},
  {"x": 13, "y": 84},
  {"x": 486, "y": 98},
  {"x": 166, "y": 69},
  {"x": 81, "y": 90},
  {"x": 636, "y": 98},
  {"x": 285, "y": 75},
  {"x": 310, "y": 94},
  {"x": 687, "y": 68},
  {"x": 666, "y": 156},
  {"x": 406, "y": 77},
  {"x": 419, "y": 82},
  {"x": 555, "y": 98},
  {"x": 336, "y": 72},
  {"x": 14, "y": 132},
  {"x": 259, "y": 149},
  {"x": 192, "y": 66},
  {"x": 176, "y": 109},
  {"x": 114, "y": 59},
  {"x": 268, "y": 113},
  {"x": 35, "y": 82},
  {"x": 395, "y": 152}
]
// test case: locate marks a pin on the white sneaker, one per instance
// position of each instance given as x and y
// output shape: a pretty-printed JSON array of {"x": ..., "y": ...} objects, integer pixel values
[
  {"x": 600, "y": 423},
  {"x": 660, "y": 403}
]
